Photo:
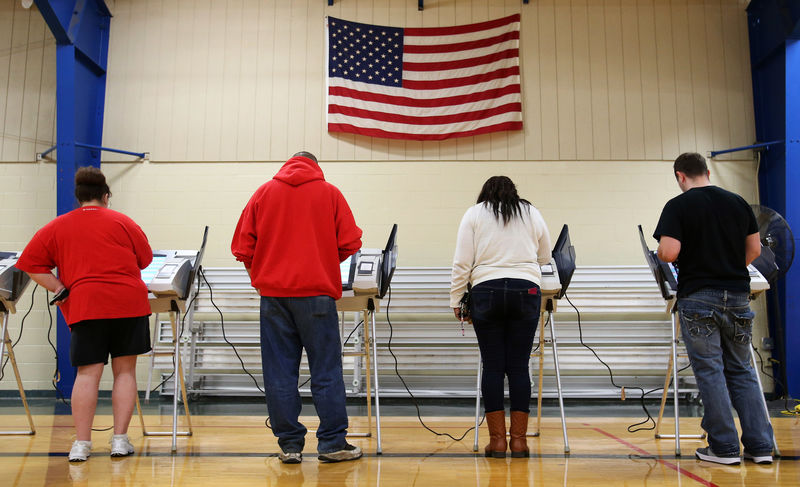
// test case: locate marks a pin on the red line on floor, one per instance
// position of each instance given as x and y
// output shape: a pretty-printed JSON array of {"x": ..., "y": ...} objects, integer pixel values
[{"x": 663, "y": 462}]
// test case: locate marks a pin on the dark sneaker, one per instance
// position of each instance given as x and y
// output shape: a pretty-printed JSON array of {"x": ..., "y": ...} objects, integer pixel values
[
  {"x": 349, "y": 452},
  {"x": 707, "y": 455},
  {"x": 290, "y": 456},
  {"x": 761, "y": 458}
]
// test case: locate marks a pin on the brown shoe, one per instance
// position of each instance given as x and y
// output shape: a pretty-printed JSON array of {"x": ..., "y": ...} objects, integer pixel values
[
  {"x": 519, "y": 430},
  {"x": 496, "y": 421}
]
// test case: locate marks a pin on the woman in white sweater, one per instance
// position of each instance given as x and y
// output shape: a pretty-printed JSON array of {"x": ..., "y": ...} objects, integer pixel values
[{"x": 502, "y": 240}]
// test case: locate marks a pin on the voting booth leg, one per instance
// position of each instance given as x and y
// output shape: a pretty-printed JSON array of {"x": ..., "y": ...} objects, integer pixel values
[
  {"x": 7, "y": 346},
  {"x": 764, "y": 402},
  {"x": 367, "y": 363},
  {"x": 540, "y": 354},
  {"x": 174, "y": 316},
  {"x": 672, "y": 372},
  {"x": 541, "y": 377},
  {"x": 374, "y": 337},
  {"x": 558, "y": 373},
  {"x": 664, "y": 394},
  {"x": 152, "y": 360},
  {"x": 478, "y": 402},
  {"x": 675, "y": 383},
  {"x": 370, "y": 366}
]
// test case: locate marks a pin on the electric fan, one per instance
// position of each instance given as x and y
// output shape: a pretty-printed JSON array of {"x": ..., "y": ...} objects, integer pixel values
[{"x": 777, "y": 237}]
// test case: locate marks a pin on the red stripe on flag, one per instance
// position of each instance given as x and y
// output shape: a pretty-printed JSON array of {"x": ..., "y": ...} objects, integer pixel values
[
  {"x": 454, "y": 82},
  {"x": 422, "y": 102},
  {"x": 460, "y": 29},
  {"x": 351, "y": 129},
  {"x": 462, "y": 63},
  {"x": 431, "y": 120},
  {"x": 460, "y": 46}
]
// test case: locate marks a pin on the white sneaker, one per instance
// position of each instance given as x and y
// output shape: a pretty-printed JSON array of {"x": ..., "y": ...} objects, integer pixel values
[
  {"x": 121, "y": 446},
  {"x": 80, "y": 451},
  {"x": 762, "y": 459},
  {"x": 707, "y": 455}
]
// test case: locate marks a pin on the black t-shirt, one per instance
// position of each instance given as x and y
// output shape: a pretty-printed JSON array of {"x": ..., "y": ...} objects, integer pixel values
[{"x": 712, "y": 225}]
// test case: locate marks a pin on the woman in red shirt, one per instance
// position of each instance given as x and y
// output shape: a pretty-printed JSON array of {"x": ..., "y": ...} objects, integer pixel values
[{"x": 99, "y": 254}]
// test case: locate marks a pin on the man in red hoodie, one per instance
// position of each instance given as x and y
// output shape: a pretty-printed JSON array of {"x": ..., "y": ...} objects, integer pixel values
[{"x": 291, "y": 237}]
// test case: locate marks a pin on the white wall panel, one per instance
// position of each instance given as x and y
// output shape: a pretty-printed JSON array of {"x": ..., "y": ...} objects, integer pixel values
[
  {"x": 27, "y": 84},
  {"x": 244, "y": 80}
]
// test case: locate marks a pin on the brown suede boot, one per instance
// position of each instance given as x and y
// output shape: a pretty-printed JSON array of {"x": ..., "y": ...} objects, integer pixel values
[
  {"x": 519, "y": 430},
  {"x": 496, "y": 421}
]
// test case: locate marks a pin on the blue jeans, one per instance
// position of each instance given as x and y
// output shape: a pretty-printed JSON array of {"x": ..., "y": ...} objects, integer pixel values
[
  {"x": 717, "y": 327},
  {"x": 288, "y": 325},
  {"x": 505, "y": 313}
]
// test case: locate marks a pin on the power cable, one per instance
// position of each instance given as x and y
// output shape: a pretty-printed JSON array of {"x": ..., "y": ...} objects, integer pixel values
[
  {"x": 633, "y": 428},
  {"x": 411, "y": 395},
  {"x": 786, "y": 398},
  {"x": 236, "y": 352},
  {"x": 21, "y": 327}
]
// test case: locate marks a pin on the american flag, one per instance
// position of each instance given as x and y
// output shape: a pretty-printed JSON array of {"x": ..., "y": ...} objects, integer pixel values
[{"x": 429, "y": 83}]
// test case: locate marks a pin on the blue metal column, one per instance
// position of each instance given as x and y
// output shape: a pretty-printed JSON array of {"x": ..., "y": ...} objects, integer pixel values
[
  {"x": 81, "y": 29},
  {"x": 792, "y": 213},
  {"x": 774, "y": 28}
]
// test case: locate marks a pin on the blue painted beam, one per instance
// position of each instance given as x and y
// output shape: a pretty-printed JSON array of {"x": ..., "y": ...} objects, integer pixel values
[
  {"x": 792, "y": 215},
  {"x": 715, "y": 153},
  {"x": 55, "y": 15},
  {"x": 81, "y": 29},
  {"x": 775, "y": 65},
  {"x": 48, "y": 151},
  {"x": 141, "y": 155}
]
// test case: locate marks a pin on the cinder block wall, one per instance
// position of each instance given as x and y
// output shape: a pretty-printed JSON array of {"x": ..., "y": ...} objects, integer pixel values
[{"x": 220, "y": 94}]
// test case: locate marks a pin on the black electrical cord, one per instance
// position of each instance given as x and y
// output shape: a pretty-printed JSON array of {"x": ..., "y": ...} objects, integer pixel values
[
  {"x": 56, "y": 374},
  {"x": 411, "y": 395},
  {"x": 225, "y": 338},
  {"x": 633, "y": 428},
  {"x": 21, "y": 327},
  {"x": 786, "y": 397}
]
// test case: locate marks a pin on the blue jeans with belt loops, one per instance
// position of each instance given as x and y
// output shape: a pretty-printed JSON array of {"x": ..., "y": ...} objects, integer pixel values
[
  {"x": 717, "y": 328},
  {"x": 289, "y": 324},
  {"x": 505, "y": 313}
]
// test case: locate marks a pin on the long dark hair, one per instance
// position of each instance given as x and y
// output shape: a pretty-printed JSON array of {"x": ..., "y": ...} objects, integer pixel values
[{"x": 500, "y": 194}]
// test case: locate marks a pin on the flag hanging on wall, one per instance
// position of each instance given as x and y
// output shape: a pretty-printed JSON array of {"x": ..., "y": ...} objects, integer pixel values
[{"x": 429, "y": 83}]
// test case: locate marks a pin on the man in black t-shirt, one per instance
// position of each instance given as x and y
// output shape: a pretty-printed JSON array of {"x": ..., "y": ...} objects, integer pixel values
[{"x": 712, "y": 235}]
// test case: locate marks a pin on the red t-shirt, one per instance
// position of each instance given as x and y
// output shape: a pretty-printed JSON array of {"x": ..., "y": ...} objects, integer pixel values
[
  {"x": 294, "y": 232},
  {"x": 99, "y": 254}
]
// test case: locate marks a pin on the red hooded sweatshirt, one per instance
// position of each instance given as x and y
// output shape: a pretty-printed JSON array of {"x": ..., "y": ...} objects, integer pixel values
[{"x": 294, "y": 232}]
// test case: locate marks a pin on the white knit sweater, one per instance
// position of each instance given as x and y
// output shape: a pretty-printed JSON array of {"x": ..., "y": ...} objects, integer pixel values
[{"x": 486, "y": 249}]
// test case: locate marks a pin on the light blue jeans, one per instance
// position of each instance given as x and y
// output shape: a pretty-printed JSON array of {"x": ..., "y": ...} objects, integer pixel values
[
  {"x": 287, "y": 326},
  {"x": 717, "y": 328}
]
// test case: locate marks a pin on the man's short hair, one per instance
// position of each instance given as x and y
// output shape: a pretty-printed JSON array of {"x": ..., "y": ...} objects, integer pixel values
[
  {"x": 691, "y": 164},
  {"x": 307, "y": 155}
]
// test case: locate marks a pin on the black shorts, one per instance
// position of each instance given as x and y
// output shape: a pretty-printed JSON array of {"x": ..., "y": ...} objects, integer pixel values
[{"x": 93, "y": 340}]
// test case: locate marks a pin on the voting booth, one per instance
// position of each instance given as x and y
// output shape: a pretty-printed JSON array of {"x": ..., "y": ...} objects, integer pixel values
[
  {"x": 169, "y": 279},
  {"x": 556, "y": 276},
  {"x": 13, "y": 283},
  {"x": 366, "y": 276},
  {"x": 666, "y": 276}
]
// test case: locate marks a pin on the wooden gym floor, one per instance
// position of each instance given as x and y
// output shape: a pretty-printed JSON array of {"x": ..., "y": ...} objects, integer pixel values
[{"x": 237, "y": 450}]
